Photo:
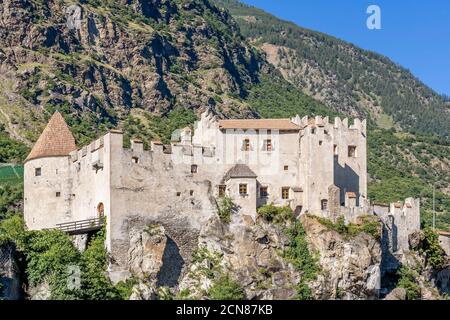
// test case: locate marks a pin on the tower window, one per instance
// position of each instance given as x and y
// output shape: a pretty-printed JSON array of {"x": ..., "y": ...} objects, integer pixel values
[
  {"x": 191, "y": 192},
  {"x": 285, "y": 193},
  {"x": 264, "y": 192},
  {"x": 58, "y": 194},
  {"x": 324, "y": 204},
  {"x": 222, "y": 190},
  {"x": 268, "y": 145},
  {"x": 352, "y": 152},
  {"x": 37, "y": 172},
  {"x": 243, "y": 189},
  {"x": 135, "y": 160},
  {"x": 194, "y": 168},
  {"x": 286, "y": 168},
  {"x": 320, "y": 142},
  {"x": 335, "y": 150},
  {"x": 246, "y": 145}
]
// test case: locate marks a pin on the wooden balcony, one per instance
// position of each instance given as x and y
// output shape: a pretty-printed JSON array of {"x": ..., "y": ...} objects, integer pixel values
[{"x": 82, "y": 226}]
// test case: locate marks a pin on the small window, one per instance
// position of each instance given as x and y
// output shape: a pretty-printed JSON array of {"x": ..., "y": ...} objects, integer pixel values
[
  {"x": 191, "y": 193},
  {"x": 285, "y": 193},
  {"x": 286, "y": 168},
  {"x": 58, "y": 194},
  {"x": 324, "y": 204},
  {"x": 246, "y": 145},
  {"x": 194, "y": 168},
  {"x": 178, "y": 194},
  {"x": 313, "y": 130},
  {"x": 335, "y": 150},
  {"x": 37, "y": 172},
  {"x": 268, "y": 145},
  {"x": 243, "y": 189},
  {"x": 320, "y": 143},
  {"x": 352, "y": 152},
  {"x": 264, "y": 192},
  {"x": 222, "y": 190},
  {"x": 56, "y": 171},
  {"x": 135, "y": 159}
]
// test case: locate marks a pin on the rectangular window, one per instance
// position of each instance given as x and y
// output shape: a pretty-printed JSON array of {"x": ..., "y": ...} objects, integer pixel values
[
  {"x": 135, "y": 159},
  {"x": 285, "y": 193},
  {"x": 58, "y": 194},
  {"x": 264, "y": 192},
  {"x": 286, "y": 168},
  {"x": 246, "y": 145},
  {"x": 320, "y": 142},
  {"x": 335, "y": 150},
  {"x": 243, "y": 189},
  {"x": 194, "y": 168},
  {"x": 222, "y": 190},
  {"x": 324, "y": 204},
  {"x": 268, "y": 145},
  {"x": 352, "y": 152},
  {"x": 37, "y": 172}
]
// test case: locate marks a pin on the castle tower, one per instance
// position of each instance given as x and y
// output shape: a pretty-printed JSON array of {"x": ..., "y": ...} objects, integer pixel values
[{"x": 46, "y": 177}]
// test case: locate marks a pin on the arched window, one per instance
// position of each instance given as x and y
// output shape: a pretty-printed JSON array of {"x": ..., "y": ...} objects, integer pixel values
[{"x": 101, "y": 210}]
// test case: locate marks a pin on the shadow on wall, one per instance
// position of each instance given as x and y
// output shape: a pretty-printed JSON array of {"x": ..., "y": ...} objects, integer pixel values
[
  {"x": 347, "y": 180},
  {"x": 172, "y": 266}
]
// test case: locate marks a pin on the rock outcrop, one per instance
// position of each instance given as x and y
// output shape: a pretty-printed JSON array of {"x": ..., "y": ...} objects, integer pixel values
[
  {"x": 10, "y": 288},
  {"x": 350, "y": 265}
]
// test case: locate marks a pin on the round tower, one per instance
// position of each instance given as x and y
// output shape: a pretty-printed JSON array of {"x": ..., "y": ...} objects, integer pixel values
[{"x": 47, "y": 177}]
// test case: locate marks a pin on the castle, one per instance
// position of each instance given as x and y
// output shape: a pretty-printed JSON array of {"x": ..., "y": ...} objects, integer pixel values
[{"x": 309, "y": 164}]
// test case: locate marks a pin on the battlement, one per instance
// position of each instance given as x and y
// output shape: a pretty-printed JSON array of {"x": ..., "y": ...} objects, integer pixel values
[{"x": 324, "y": 122}]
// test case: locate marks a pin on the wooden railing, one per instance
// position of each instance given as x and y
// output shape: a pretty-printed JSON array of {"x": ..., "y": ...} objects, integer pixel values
[{"x": 82, "y": 226}]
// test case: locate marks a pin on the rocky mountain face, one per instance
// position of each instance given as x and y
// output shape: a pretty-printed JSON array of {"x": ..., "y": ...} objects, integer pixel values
[
  {"x": 100, "y": 60},
  {"x": 253, "y": 256}
]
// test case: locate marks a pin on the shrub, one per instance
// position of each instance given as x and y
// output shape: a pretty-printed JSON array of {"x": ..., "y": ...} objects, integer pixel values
[
  {"x": 226, "y": 207},
  {"x": 407, "y": 280},
  {"x": 300, "y": 256},
  {"x": 432, "y": 249},
  {"x": 226, "y": 289},
  {"x": 369, "y": 225},
  {"x": 274, "y": 214}
]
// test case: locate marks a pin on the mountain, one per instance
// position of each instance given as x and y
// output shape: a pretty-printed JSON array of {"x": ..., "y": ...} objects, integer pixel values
[
  {"x": 343, "y": 76},
  {"x": 150, "y": 66},
  {"x": 409, "y": 124}
]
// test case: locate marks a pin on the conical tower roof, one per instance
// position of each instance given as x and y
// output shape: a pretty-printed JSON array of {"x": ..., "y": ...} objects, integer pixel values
[{"x": 56, "y": 140}]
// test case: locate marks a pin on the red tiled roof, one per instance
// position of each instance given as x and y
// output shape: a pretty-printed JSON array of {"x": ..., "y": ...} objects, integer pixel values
[
  {"x": 269, "y": 124},
  {"x": 55, "y": 141}
]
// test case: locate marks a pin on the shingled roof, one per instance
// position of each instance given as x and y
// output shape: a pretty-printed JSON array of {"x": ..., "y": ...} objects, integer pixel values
[
  {"x": 239, "y": 171},
  {"x": 56, "y": 140},
  {"x": 269, "y": 124}
]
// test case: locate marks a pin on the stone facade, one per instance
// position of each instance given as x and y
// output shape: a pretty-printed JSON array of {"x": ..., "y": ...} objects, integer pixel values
[{"x": 309, "y": 164}]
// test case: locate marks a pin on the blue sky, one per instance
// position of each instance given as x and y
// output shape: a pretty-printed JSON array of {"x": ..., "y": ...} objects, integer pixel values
[{"x": 415, "y": 33}]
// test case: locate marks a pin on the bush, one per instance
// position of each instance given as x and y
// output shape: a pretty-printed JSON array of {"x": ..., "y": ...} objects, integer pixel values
[
  {"x": 407, "y": 280},
  {"x": 299, "y": 255},
  {"x": 226, "y": 207},
  {"x": 369, "y": 225},
  {"x": 432, "y": 249},
  {"x": 275, "y": 214},
  {"x": 226, "y": 289}
]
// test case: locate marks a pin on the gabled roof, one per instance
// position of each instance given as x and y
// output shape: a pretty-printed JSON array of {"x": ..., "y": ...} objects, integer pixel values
[
  {"x": 269, "y": 124},
  {"x": 239, "y": 171},
  {"x": 56, "y": 140}
]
